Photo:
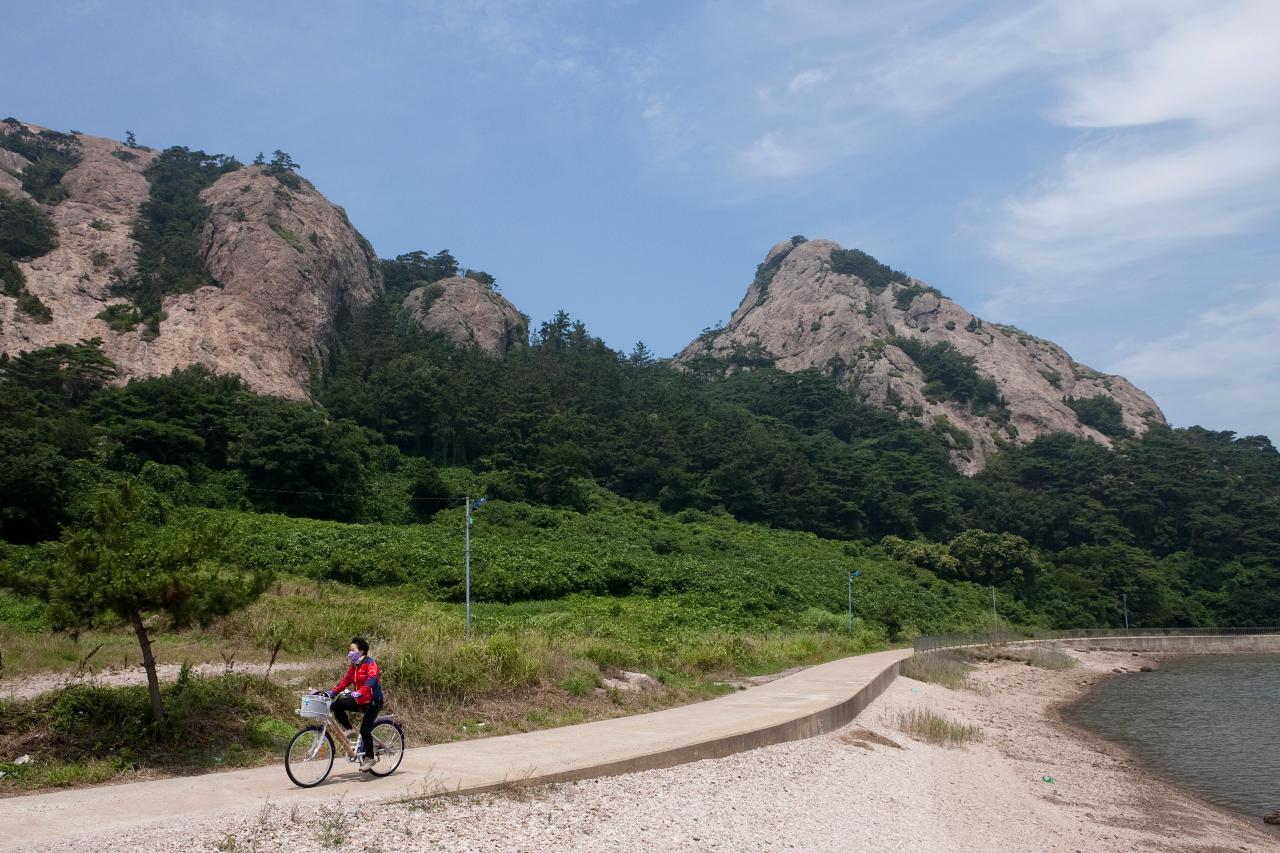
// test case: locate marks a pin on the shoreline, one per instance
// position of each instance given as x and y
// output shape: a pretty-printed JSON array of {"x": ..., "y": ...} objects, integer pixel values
[
  {"x": 1124, "y": 754},
  {"x": 1034, "y": 782}
]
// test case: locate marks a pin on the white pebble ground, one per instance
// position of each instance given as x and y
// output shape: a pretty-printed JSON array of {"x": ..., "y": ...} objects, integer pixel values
[{"x": 821, "y": 794}]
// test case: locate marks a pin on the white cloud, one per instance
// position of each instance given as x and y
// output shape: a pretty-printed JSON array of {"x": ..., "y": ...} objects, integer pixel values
[
  {"x": 770, "y": 157},
  {"x": 1218, "y": 65},
  {"x": 1191, "y": 149},
  {"x": 1120, "y": 199},
  {"x": 806, "y": 80},
  {"x": 1222, "y": 365}
]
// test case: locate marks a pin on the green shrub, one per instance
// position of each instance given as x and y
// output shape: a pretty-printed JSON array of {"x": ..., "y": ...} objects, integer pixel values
[
  {"x": 951, "y": 374},
  {"x": 30, "y": 304},
  {"x": 579, "y": 682},
  {"x": 121, "y": 318},
  {"x": 876, "y": 275},
  {"x": 1101, "y": 412},
  {"x": 51, "y": 155},
  {"x": 26, "y": 231},
  {"x": 960, "y": 439},
  {"x": 906, "y": 295},
  {"x": 13, "y": 282}
]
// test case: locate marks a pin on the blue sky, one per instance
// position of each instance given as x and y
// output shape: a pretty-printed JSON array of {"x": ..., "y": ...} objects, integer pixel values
[{"x": 1103, "y": 174}]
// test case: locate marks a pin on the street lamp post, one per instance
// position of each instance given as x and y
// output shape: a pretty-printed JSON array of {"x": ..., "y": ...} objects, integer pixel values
[
  {"x": 479, "y": 502},
  {"x": 852, "y": 575}
]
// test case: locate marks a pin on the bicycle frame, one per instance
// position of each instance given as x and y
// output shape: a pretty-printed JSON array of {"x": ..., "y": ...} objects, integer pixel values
[{"x": 335, "y": 732}]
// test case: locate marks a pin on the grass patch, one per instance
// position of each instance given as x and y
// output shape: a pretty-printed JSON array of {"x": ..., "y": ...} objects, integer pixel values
[
  {"x": 532, "y": 665},
  {"x": 285, "y": 234},
  {"x": 1044, "y": 657},
  {"x": 579, "y": 683},
  {"x": 944, "y": 668},
  {"x": 1047, "y": 657},
  {"x": 934, "y": 728},
  {"x": 212, "y": 722}
]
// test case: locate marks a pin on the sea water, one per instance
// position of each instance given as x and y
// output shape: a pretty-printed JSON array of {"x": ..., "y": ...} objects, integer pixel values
[{"x": 1208, "y": 723}]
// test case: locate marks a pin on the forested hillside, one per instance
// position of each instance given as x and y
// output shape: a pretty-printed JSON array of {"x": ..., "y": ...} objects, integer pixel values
[{"x": 1185, "y": 522}]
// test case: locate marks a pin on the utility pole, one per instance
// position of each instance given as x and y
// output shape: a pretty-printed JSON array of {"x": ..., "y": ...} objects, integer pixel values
[
  {"x": 467, "y": 538},
  {"x": 852, "y": 575},
  {"x": 479, "y": 502},
  {"x": 995, "y": 617},
  {"x": 1124, "y": 596}
]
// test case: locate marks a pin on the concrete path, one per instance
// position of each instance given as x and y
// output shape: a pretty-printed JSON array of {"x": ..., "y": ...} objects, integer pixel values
[{"x": 808, "y": 703}]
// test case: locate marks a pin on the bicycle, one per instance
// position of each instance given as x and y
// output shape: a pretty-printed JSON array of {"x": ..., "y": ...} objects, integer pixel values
[{"x": 308, "y": 759}]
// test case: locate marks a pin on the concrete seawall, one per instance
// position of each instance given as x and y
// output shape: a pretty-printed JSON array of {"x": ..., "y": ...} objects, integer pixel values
[{"x": 1216, "y": 644}]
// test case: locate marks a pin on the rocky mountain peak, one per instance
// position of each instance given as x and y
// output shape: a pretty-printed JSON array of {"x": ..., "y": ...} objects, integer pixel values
[
  {"x": 470, "y": 313},
  {"x": 896, "y": 342},
  {"x": 276, "y": 263}
]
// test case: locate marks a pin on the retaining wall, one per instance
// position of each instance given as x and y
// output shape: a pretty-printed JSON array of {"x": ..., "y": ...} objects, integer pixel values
[{"x": 1223, "y": 644}]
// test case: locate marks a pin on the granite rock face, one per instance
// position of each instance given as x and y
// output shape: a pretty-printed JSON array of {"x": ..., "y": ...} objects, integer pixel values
[
  {"x": 470, "y": 314},
  {"x": 288, "y": 264},
  {"x": 800, "y": 314}
]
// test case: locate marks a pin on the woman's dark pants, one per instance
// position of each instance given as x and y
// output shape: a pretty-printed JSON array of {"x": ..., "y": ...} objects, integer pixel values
[{"x": 343, "y": 704}]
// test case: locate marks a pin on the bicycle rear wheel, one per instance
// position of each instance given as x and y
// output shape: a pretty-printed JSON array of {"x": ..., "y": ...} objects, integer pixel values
[
  {"x": 309, "y": 757},
  {"x": 388, "y": 746}
]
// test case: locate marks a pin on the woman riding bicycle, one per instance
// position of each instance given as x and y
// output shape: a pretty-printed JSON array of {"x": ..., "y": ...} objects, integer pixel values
[{"x": 365, "y": 696}]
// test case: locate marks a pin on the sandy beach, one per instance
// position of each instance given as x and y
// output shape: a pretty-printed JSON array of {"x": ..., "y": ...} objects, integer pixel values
[{"x": 866, "y": 787}]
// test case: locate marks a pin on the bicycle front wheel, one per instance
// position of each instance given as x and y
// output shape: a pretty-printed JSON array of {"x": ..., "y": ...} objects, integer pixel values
[
  {"x": 388, "y": 746},
  {"x": 309, "y": 757}
]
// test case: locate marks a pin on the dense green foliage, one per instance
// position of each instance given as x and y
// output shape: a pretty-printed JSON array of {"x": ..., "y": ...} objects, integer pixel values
[
  {"x": 13, "y": 283},
  {"x": 414, "y": 269},
  {"x": 1102, "y": 412},
  {"x": 951, "y": 375},
  {"x": 168, "y": 231},
  {"x": 614, "y": 475},
  {"x": 128, "y": 565},
  {"x": 26, "y": 231},
  {"x": 904, "y": 296},
  {"x": 283, "y": 169},
  {"x": 876, "y": 275},
  {"x": 52, "y": 155}
]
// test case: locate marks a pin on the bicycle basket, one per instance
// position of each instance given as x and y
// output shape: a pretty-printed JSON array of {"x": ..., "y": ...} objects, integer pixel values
[{"x": 315, "y": 707}]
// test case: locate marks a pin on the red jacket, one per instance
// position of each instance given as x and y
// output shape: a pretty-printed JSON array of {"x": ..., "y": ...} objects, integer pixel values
[{"x": 363, "y": 677}]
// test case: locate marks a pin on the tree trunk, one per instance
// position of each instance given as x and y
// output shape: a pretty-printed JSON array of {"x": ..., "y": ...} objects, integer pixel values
[{"x": 149, "y": 661}]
